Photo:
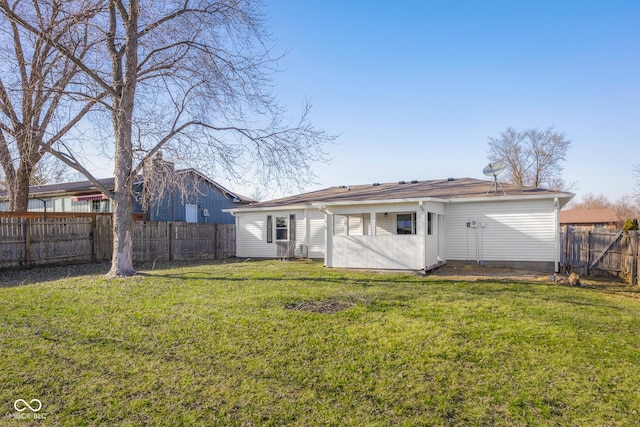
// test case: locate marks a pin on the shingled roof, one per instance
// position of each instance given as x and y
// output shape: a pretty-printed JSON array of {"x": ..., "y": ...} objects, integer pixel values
[
  {"x": 445, "y": 189},
  {"x": 86, "y": 187},
  {"x": 75, "y": 188},
  {"x": 581, "y": 216}
]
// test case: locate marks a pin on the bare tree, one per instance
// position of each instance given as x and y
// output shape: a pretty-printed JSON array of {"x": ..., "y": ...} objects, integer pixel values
[
  {"x": 33, "y": 79},
  {"x": 49, "y": 170},
  {"x": 192, "y": 78},
  {"x": 627, "y": 207},
  {"x": 533, "y": 157},
  {"x": 636, "y": 174},
  {"x": 592, "y": 201}
]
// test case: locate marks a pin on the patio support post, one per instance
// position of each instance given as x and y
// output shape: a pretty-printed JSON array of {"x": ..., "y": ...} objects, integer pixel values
[{"x": 423, "y": 235}]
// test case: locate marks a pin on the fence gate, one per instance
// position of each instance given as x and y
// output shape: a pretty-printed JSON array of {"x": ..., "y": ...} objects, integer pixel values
[{"x": 600, "y": 253}]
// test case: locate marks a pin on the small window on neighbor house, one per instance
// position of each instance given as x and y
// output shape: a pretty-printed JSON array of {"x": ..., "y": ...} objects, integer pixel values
[
  {"x": 100, "y": 205},
  {"x": 429, "y": 223},
  {"x": 406, "y": 223},
  {"x": 269, "y": 229},
  {"x": 282, "y": 232}
]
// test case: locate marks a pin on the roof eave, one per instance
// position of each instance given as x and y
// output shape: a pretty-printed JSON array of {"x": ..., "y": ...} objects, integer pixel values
[{"x": 565, "y": 197}]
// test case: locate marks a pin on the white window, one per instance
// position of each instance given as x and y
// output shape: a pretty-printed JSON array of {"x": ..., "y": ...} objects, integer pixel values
[
  {"x": 282, "y": 229},
  {"x": 191, "y": 213},
  {"x": 406, "y": 223},
  {"x": 285, "y": 228},
  {"x": 100, "y": 205}
]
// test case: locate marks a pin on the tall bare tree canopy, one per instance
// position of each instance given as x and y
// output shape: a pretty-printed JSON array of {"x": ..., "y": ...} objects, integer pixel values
[
  {"x": 533, "y": 157},
  {"x": 190, "y": 77},
  {"x": 33, "y": 79}
]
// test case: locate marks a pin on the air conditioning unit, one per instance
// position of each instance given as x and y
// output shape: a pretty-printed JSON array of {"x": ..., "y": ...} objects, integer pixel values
[
  {"x": 473, "y": 223},
  {"x": 285, "y": 249}
]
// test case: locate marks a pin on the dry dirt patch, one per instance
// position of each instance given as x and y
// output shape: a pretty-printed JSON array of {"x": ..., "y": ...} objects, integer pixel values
[
  {"x": 469, "y": 273},
  {"x": 322, "y": 306},
  {"x": 478, "y": 272}
]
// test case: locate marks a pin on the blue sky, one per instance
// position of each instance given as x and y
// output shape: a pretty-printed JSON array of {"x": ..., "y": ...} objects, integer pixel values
[{"x": 415, "y": 88}]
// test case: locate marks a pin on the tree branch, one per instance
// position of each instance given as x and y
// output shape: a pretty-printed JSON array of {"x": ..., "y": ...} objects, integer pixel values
[{"x": 14, "y": 18}]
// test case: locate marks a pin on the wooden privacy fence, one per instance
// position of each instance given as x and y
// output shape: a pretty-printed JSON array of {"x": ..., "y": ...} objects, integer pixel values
[
  {"x": 601, "y": 253},
  {"x": 35, "y": 240}
]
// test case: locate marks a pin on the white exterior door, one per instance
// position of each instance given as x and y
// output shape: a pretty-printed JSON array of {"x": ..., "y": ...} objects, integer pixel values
[{"x": 191, "y": 213}]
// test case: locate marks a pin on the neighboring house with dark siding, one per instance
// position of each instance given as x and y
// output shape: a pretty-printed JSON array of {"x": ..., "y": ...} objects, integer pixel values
[{"x": 204, "y": 201}]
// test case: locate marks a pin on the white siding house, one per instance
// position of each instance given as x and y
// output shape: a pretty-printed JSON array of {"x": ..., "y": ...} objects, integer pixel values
[{"x": 408, "y": 226}]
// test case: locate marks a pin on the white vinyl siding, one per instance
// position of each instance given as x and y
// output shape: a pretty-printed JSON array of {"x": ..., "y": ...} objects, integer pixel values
[
  {"x": 395, "y": 252},
  {"x": 507, "y": 231},
  {"x": 385, "y": 224},
  {"x": 252, "y": 237}
]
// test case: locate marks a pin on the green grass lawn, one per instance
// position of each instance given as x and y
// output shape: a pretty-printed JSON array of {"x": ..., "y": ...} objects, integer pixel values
[{"x": 231, "y": 344}]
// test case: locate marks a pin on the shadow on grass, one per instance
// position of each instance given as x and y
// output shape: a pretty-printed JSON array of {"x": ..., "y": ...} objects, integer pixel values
[
  {"x": 42, "y": 274},
  {"x": 50, "y": 273},
  {"x": 198, "y": 275},
  {"x": 476, "y": 285}
]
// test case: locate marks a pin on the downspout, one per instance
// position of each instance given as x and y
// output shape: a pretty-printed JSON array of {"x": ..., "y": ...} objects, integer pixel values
[
  {"x": 307, "y": 224},
  {"x": 556, "y": 221},
  {"x": 44, "y": 202},
  {"x": 236, "y": 231}
]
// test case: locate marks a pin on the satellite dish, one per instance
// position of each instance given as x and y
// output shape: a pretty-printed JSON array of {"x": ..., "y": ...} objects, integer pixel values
[{"x": 493, "y": 170}]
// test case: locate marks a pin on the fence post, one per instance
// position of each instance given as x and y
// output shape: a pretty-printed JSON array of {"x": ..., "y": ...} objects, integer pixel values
[
  {"x": 633, "y": 239},
  {"x": 171, "y": 237},
  {"x": 27, "y": 241},
  {"x": 565, "y": 250},
  {"x": 586, "y": 255},
  {"x": 94, "y": 228},
  {"x": 216, "y": 233}
]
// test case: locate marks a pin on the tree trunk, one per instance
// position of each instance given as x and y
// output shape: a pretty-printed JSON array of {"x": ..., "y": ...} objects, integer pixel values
[
  {"x": 122, "y": 256},
  {"x": 20, "y": 189},
  {"x": 125, "y": 80}
]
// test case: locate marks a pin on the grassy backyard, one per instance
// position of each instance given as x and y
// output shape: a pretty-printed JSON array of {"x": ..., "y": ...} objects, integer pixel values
[{"x": 240, "y": 344}]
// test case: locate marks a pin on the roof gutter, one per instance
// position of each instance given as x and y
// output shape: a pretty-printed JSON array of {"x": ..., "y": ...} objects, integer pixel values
[
  {"x": 553, "y": 196},
  {"x": 563, "y": 199}
]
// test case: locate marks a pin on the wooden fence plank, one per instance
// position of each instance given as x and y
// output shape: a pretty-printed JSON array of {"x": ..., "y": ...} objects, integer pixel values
[
  {"x": 225, "y": 240},
  {"x": 39, "y": 240}
]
